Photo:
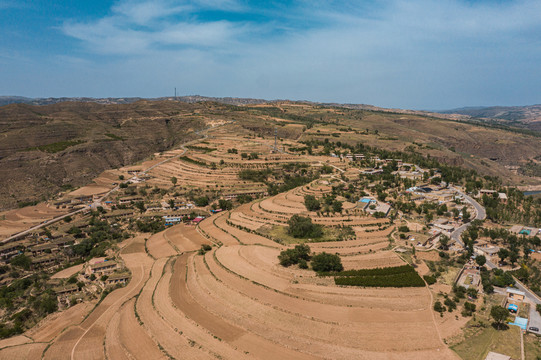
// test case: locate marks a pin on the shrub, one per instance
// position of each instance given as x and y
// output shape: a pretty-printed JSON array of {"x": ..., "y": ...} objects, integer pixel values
[
  {"x": 404, "y": 228},
  {"x": 325, "y": 262}
]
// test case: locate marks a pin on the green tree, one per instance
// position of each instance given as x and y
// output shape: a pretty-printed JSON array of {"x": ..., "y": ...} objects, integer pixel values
[
  {"x": 337, "y": 206},
  {"x": 21, "y": 261},
  {"x": 499, "y": 314},
  {"x": 302, "y": 227},
  {"x": 480, "y": 260},
  {"x": 202, "y": 201},
  {"x": 311, "y": 203},
  {"x": 140, "y": 205},
  {"x": 325, "y": 262},
  {"x": 174, "y": 180},
  {"x": 439, "y": 307}
]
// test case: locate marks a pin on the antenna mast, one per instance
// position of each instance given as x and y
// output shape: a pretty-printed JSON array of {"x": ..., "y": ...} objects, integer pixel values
[
  {"x": 175, "y": 94},
  {"x": 275, "y": 139}
]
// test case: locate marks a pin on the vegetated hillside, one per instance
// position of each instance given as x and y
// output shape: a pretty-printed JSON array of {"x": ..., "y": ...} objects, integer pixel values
[
  {"x": 526, "y": 116},
  {"x": 46, "y": 148},
  {"x": 488, "y": 149}
]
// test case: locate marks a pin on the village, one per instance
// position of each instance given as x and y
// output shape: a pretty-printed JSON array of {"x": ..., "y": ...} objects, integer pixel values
[{"x": 225, "y": 191}]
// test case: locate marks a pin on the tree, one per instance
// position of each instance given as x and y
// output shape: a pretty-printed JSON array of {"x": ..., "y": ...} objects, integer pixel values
[
  {"x": 174, "y": 180},
  {"x": 311, "y": 203},
  {"x": 21, "y": 261},
  {"x": 503, "y": 253},
  {"x": 225, "y": 204},
  {"x": 302, "y": 227},
  {"x": 325, "y": 262},
  {"x": 466, "y": 215},
  {"x": 298, "y": 255},
  {"x": 140, "y": 205},
  {"x": 202, "y": 201},
  {"x": 499, "y": 314},
  {"x": 68, "y": 219},
  {"x": 337, "y": 206},
  {"x": 444, "y": 241},
  {"x": 480, "y": 260},
  {"x": 172, "y": 203},
  {"x": 439, "y": 307}
]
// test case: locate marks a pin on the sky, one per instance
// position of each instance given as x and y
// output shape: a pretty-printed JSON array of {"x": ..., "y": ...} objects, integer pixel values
[{"x": 416, "y": 54}]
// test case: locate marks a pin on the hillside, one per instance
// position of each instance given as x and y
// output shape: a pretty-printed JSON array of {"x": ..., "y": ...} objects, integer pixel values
[
  {"x": 524, "y": 116},
  {"x": 49, "y": 148}
]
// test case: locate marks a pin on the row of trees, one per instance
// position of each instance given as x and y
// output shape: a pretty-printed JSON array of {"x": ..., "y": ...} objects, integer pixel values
[{"x": 301, "y": 255}]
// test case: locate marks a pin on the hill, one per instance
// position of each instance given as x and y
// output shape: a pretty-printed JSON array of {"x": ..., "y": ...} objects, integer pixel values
[
  {"x": 52, "y": 147},
  {"x": 522, "y": 116}
]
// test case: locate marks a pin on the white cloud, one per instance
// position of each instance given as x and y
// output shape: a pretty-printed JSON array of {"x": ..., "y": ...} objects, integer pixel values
[{"x": 421, "y": 54}]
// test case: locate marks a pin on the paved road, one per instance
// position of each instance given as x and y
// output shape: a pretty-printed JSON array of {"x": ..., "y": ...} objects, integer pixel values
[
  {"x": 39, "y": 226},
  {"x": 480, "y": 214}
]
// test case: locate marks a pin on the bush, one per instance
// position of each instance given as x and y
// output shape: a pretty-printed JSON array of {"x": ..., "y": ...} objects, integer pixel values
[
  {"x": 325, "y": 262},
  {"x": 295, "y": 256},
  {"x": 404, "y": 228},
  {"x": 303, "y": 264},
  {"x": 302, "y": 227}
]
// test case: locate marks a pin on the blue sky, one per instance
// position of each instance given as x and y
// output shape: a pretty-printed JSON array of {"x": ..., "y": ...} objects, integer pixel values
[{"x": 422, "y": 54}]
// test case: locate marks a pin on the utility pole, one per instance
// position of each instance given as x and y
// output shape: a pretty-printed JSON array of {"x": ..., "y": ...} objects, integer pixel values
[
  {"x": 275, "y": 139},
  {"x": 175, "y": 94}
]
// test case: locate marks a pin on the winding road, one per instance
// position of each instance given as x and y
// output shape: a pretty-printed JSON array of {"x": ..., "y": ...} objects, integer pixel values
[{"x": 480, "y": 214}]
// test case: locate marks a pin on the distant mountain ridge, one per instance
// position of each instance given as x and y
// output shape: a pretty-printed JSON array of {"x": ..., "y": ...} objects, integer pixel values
[
  {"x": 6, "y": 100},
  {"x": 529, "y": 115}
]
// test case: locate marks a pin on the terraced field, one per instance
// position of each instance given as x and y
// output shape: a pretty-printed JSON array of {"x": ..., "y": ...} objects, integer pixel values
[{"x": 237, "y": 302}]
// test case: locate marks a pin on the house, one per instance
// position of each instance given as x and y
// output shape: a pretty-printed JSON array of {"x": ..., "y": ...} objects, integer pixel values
[
  {"x": 254, "y": 193},
  {"x": 198, "y": 219},
  {"x": 117, "y": 279},
  {"x": 172, "y": 219},
  {"x": 102, "y": 268},
  {"x": 42, "y": 248},
  {"x": 43, "y": 260},
  {"x": 129, "y": 200},
  {"x": 488, "y": 251},
  {"x": 9, "y": 250},
  {"x": 514, "y": 295},
  {"x": 64, "y": 241},
  {"x": 502, "y": 197},
  {"x": 66, "y": 290},
  {"x": 487, "y": 192}
]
